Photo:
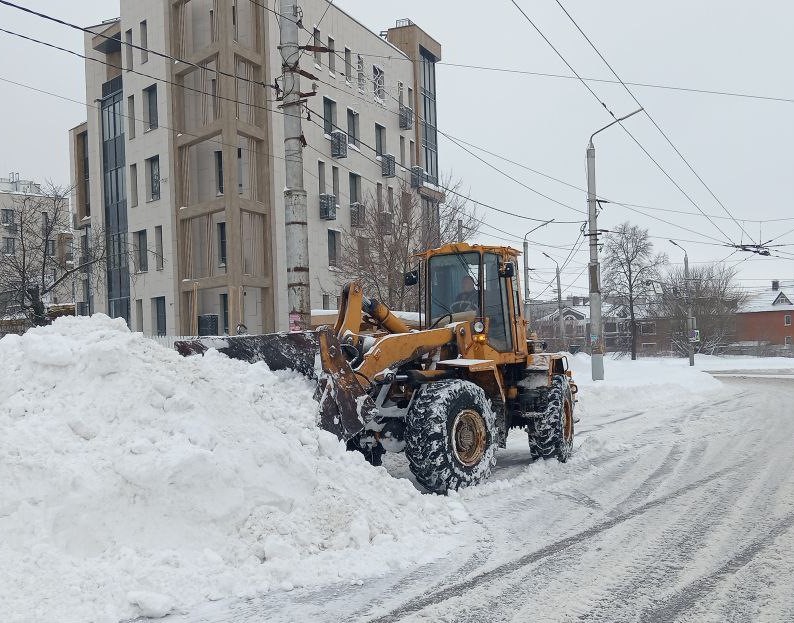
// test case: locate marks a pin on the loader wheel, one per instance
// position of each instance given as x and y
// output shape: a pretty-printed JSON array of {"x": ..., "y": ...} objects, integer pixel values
[
  {"x": 451, "y": 435},
  {"x": 551, "y": 432}
]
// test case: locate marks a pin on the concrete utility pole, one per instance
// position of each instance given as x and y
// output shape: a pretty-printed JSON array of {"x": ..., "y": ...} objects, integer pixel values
[
  {"x": 594, "y": 268},
  {"x": 527, "y": 310},
  {"x": 296, "y": 214},
  {"x": 690, "y": 321},
  {"x": 560, "y": 319}
]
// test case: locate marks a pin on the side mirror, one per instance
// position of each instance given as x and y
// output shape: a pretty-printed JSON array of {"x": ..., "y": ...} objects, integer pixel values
[
  {"x": 507, "y": 270},
  {"x": 411, "y": 278}
]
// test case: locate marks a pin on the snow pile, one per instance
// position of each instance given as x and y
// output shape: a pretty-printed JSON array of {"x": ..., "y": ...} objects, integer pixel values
[{"x": 136, "y": 482}]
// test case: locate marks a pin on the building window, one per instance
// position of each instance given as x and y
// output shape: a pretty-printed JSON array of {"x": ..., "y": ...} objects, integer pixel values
[
  {"x": 225, "y": 313},
  {"x": 139, "y": 315},
  {"x": 239, "y": 170},
  {"x": 131, "y": 116},
  {"x": 144, "y": 42},
  {"x": 331, "y": 55},
  {"x": 158, "y": 246},
  {"x": 235, "y": 27},
  {"x": 153, "y": 178},
  {"x": 141, "y": 251},
  {"x": 429, "y": 132},
  {"x": 7, "y": 216},
  {"x": 50, "y": 248},
  {"x": 402, "y": 151},
  {"x": 128, "y": 49},
  {"x": 326, "y": 301},
  {"x": 150, "y": 107},
  {"x": 158, "y": 311},
  {"x": 390, "y": 198},
  {"x": 788, "y": 340},
  {"x": 222, "y": 244},
  {"x": 355, "y": 188},
  {"x": 348, "y": 64},
  {"x": 321, "y": 177},
  {"x": 352, "y": 127},
  {"x": 133, "y": 185},
  {"x": 379, "y": 83},
  {"x": 412, "y": 154},
  {"x": 380, "y": 139},
  {"x": 219, "y": 172},
  {"x": 379, "y": 195},
  {"x": 9, "y": 246},
  {"x": 400, "y": 93},
  {"x": 648, "y": 328},
  {"x": 335, "y": 182},
  {"x": 329, "y": 115},
  {"x": 361, "y": 78},
  {"x": 787, "y": 320},
  {"x": 334, "y": 247},
  {"x": 318, "y": 56},
  {"x": 649, "y": 346}
]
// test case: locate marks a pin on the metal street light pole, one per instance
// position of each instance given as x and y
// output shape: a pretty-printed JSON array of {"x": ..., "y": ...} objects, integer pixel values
[
  {"x": 560, "y": 319},
  {"x": 596, "y": 325},
  {"x": 690, "y": 321},
  {"x": 527, "y": 315}
]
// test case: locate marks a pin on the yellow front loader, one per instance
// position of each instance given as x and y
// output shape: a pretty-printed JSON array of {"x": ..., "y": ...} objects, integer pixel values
[{"x": 447, "y": 391}]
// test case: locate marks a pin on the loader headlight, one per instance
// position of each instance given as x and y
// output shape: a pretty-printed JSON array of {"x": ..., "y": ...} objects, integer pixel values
[{"x": 478, "y": 326}]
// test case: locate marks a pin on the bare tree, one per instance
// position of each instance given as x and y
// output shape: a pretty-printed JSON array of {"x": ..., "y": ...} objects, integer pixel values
[
  {"x": 382, "y": 244},
  {"x": 40, "y": 259},
  {"x": 630, "y": 268},
  {"x": 715, "y": 299}
]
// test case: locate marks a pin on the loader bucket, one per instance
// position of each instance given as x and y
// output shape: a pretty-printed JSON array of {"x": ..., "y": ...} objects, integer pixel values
[
  {"x": 345, "y": 406},
  {"x": 280, "y": 351}
]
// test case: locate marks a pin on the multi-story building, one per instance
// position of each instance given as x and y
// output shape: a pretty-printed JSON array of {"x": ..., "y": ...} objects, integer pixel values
[
  {"x": 181, "y": 162},
  {"x": 35, "y": 246},
  {"x": 765, "y": 318}
]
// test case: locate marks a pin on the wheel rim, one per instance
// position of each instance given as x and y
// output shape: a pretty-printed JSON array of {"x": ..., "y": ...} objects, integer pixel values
[
  {"x": 469, "y": 437},
  {"x": 567, "y": 421}
]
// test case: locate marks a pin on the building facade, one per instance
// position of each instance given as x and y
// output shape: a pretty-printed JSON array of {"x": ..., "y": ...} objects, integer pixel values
[
  {"x": 765, "y": 319},
  {"x": 35, "y": 247},
  {"x": 181, "y": 163}
]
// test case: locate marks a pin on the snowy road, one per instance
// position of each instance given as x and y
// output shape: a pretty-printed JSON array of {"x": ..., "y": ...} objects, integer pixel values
[{"x": 681, "y": 511}]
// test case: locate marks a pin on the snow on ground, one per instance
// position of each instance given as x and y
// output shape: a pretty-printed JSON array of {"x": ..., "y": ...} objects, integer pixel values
[{"x": 135, "y": 482}]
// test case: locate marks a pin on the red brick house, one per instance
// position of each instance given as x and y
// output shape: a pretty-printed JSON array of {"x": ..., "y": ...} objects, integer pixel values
[{"x": 766, "y": 318}]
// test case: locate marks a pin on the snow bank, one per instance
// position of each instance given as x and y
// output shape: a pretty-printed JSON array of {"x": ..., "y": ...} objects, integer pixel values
[{"x": 136, "y": 482}]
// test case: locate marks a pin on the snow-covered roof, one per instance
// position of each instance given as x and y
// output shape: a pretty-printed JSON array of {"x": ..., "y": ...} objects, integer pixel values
[
  {"x": 781, "y": 299},
  {"x": 580, "y": 312}
]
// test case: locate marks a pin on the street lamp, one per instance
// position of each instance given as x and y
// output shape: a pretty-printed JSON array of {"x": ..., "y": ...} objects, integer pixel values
[
  {"x": 526, "y": 271},
  {"x": 690, "y": 321},
  {"x": 596, "y": 325},
  {"x": 560, "y": 319}
]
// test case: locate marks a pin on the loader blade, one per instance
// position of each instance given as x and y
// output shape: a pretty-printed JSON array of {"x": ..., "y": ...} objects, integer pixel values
[
  {"x": 345, "y": 406},
  {"x": 280, "y": 351}
]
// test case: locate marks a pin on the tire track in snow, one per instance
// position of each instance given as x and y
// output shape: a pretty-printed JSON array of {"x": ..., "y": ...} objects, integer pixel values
[
  {"x": 688, "y": 597},
  {"x": 543, "y": 553}
]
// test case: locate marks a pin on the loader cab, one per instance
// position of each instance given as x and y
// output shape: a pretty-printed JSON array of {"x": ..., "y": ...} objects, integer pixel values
[{"x": 472, "y": 283}]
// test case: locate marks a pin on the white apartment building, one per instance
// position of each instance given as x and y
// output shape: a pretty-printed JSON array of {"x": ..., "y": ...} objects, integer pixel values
[
  {"x": 35, "y": 244},
  {"x": 181, "y": 162}
]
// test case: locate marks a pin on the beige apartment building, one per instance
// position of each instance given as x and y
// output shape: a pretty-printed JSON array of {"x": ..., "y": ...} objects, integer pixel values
[{"x": 180, "y": 163}]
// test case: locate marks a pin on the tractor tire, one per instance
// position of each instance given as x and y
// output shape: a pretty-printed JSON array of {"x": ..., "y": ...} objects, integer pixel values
[
  {"x": 451, "y": 436},
  {"x": 551, "y": 432}
]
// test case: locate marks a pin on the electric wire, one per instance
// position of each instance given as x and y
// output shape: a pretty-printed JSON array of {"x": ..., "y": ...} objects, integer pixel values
[
  {"x": 612, "y": 114},
  {"x": 654, "y": 122}
]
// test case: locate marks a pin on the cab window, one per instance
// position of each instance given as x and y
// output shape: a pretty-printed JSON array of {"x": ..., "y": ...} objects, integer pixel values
[{"x": 495, "y": 304}]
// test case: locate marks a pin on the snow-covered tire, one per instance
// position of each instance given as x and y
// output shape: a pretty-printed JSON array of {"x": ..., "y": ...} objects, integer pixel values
[
  {"x": 551, "y": 432},
  {"x": 451, "y": 436}
]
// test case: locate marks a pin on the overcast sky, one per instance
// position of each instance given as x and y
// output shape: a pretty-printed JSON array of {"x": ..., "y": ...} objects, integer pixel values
[{"x": 741, "y": 147}]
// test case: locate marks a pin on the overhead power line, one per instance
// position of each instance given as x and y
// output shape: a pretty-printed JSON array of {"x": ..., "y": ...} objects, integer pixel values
[
  {"x": 612, "y": 114},
  {"x": 654, "y": 122},
  {"x": 649, "y": 85}
]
